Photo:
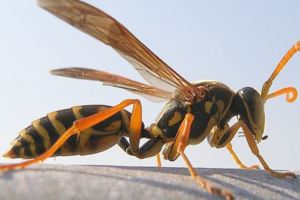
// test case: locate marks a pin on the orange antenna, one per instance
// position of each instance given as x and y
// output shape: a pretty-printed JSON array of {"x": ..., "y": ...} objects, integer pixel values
[
  {"x": 290, "y": 92},
  {"x": 280, "y": 66}
]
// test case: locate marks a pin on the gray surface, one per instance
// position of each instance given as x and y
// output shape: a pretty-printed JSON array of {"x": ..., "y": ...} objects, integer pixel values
[{"x": 138, "y": 183}]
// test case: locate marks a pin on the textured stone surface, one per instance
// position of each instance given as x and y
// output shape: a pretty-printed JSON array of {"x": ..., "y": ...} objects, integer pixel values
[{"x": 136, "y": 183}]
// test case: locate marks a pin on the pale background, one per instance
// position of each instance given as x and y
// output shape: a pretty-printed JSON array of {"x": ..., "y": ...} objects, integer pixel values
[{"x": 234, "y": 42}]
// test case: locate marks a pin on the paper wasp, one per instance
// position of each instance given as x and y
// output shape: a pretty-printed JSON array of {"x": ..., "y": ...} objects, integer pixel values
[{"x": 194, "y": 111}]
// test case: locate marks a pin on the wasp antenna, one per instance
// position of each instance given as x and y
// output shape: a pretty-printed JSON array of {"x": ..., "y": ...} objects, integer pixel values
[
  {"x": 290, "y": 92},
  {"x": 241, "y": 134},
  {"x": 291, "y": 52}
]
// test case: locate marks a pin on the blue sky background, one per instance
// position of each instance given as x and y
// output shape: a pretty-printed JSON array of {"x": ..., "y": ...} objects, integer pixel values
[{"x": 236, "y": 42}]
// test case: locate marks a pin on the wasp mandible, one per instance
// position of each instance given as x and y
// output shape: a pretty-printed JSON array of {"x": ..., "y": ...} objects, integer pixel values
[{"x": 194, "y": 111}]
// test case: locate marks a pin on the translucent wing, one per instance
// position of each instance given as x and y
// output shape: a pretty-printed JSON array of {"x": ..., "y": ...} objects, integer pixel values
[
  {"x": 147, "y": 91},
  {"x": 106, "y": 29}
]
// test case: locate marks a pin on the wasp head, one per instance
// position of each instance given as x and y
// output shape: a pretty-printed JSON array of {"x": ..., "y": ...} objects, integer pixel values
[{"x": 250, "y": 107}]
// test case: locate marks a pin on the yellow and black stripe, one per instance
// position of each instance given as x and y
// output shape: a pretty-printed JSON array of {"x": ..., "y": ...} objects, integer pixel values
[{"x": 44, "y": 132}]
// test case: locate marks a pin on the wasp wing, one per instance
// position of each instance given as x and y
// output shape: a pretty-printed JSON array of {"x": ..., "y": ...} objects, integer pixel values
[
  {"x": 106, "y": 29},
  {"x": 147, "y": 91}
]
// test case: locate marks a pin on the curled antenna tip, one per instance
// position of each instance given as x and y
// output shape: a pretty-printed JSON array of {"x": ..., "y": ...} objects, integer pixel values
[{"x": 292, "y": 95}]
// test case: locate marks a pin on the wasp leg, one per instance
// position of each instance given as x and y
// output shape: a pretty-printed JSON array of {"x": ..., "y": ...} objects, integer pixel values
[
  {"x": 222, "y": 137},
  {"x": 237, "y": 160},
  {"x": 252, "y": 144},
  {"x": 123, "y": 143},
  {"x": 181, "y": 139},
  {"x": 84, "y": 123},
  {"x": 177, "y": 149},
  {"x": 151, "y": 148},
  {"x": 280, "y": 66},
  {"x": 158, "y": 160}
]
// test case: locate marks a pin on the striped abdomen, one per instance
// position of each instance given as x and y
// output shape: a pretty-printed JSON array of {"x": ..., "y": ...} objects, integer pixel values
[{"x": 42, "y": 133}]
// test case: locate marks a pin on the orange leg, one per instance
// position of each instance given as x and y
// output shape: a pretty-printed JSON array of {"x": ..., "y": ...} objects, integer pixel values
[
  {"x": 182, "y": 137},
  {"x": 252, "y": 144},
  {"x": 237, "y": 160},
  {"x": 178, "y": 147},
  {"x": 280, "y": 66},
  {"x": 158, "y": 160},
  {"x": 82, "y": 124}
]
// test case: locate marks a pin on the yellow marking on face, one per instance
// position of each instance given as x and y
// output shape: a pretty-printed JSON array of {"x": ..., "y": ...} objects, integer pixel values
[
  {"x": 114, "y": 126},
  {"x": 208, "y": 106},
  {"x": 59, "y": 127},
  {"x": 175, "y": 119},
  {"x": 42, "y": 132},
  {"x": 26, "y": 136},
  {"x": 155, "y": 130},
  {"x": 248, "y": 113}
]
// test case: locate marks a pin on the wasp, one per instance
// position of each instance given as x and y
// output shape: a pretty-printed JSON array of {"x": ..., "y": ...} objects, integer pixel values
[{"x": 194, "y": 110}]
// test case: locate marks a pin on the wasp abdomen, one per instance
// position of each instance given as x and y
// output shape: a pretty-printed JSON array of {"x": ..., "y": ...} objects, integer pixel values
[{"x": 44, "y": 132}]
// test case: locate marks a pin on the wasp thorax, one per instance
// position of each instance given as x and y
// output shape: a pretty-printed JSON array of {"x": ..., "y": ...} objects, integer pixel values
[{"x": 250, "y": 107}]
